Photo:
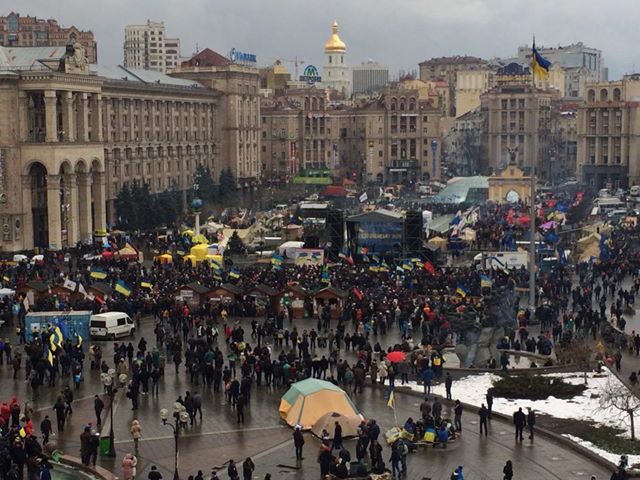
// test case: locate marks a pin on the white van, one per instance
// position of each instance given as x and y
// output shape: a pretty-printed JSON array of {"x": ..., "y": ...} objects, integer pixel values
[{"x": 111, "y": 325}]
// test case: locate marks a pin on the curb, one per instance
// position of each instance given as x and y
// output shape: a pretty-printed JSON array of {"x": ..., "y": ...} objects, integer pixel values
[
  {"x": 542, "y": 431},
  {"x": 76, "y": 463}
]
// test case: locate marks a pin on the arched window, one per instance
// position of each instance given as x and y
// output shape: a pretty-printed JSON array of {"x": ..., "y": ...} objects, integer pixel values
[
  {"x": 412, "y": 104},
  {"x": 591, "y": 95},
  {"x": 604, "y": 95},
  {"x": 306, "y": 103},
  {"x": 314, "y": 103},
  {"x": 329, "y": 58},
  {"x": 393, "y": 104},
  {"x": 616, "y": 94}
]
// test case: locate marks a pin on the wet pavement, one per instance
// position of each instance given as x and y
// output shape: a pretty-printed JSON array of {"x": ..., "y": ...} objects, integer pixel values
[{"x": 218, "y": 437}]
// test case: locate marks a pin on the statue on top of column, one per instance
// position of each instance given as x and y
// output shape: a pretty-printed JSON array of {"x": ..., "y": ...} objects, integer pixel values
[
  {"x": 75, "y": 59},
  {"x": 513, "y": 153}
]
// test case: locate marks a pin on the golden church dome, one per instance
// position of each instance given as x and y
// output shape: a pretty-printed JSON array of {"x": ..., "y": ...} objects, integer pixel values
[{"x": 335, "y": 44}]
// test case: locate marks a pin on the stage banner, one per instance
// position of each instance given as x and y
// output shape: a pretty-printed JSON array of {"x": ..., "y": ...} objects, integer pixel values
[
  {"x": 308, "y": 256},
  {"x": 380, "y": 236}
]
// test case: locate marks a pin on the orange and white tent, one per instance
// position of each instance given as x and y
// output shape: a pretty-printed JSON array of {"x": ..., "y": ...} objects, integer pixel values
[{"x": 309, "y": 400}]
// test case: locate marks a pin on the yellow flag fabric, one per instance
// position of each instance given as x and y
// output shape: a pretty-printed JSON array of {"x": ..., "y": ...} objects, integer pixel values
[
  {"x": 392, "y": 401},
  {"x": 50, "y": 358}
]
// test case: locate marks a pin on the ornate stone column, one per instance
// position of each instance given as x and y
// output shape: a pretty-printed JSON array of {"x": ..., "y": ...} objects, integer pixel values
[
  {"x": 99, "y": 201},
  {"x": 85, "y": 220},
  {"x": 71, "y": 206},
  {"x": 51, "y": 116},
  {"x": 68, "y": 117},
  {"x": 83, "y": 117},
  {"x": 23, "y": 112},
  {"x": 27, "y": 214},
  {"x": 96, "y": 115},
  {"x": 53, "y": 211}
]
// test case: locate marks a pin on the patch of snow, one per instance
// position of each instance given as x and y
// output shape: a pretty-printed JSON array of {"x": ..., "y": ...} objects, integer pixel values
[
  {"x": 472, "y": 390},
  {"x": 612, "y": 457}
]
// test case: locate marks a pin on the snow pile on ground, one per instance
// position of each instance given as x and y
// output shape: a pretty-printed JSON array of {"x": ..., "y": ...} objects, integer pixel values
[
  {"x": 612, "y": 457},
  {"x": 472, "y": 390}
]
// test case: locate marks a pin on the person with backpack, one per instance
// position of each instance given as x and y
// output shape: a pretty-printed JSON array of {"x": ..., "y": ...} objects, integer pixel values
[{"x": 457, "y": 474}]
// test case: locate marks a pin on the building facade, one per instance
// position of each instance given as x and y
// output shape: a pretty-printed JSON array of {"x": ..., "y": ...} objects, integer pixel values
[
  {"x": 369, "y": 77},
  {"x": 72, "y": 134},
  {"x": 609, "y": 133},
  {"x": 394, "y": 138},
  {"x": 335, "y": 72},
  {"x": 19, "y": 31},
  {"x": 239, "y": 106},
  {"x": 446, "y": 69},
  {"x": 517, "y": 115},
  {"x": 147, "y": 48},
  {"x": 470, "y": 84}
]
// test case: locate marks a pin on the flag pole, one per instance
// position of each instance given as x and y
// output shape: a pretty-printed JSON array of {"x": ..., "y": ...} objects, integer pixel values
[{"x": 532, "y": 225}]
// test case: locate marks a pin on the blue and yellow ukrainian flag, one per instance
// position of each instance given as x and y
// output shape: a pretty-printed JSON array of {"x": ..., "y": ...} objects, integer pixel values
[
  {"x": 539, "y": 65},
  {"x": 461, "y": 290},
  {"x": 144, "y": 283},
  {"x": 485, "y": 281},
  {"x": 234, "y": 273},
  {"x": 98, "y": 273},
  {"x": 122, "y": 288}
]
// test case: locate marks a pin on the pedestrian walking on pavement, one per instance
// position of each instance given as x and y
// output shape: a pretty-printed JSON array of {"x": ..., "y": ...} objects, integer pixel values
[
  {"x": 507, "y": 471},
  {"x": 298, "y": 441},
  {"x": 489, "y": 397},
  {"x": 45, "y": 429},
  {"x": 448, "y": 382},
  {"x": 531, "y": 421},
  {"x": 98, "y": 406},
  {"x": 483, "y": 413},
  {"x": 129, "y": 463},
  {"x": 59, "y": 408},
  {"x": 247, "y": 469},
  {"x": 519, "y": 420},
  {"x": 240, "y": 402},
  {"x": 136, "y": 433},
  {"x": 457, "y": 416}
]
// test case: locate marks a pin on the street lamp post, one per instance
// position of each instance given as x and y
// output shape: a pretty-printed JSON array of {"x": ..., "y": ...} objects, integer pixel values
[
  {"x": 180, "y": 418},
  {"x": 107, "y": 380}
]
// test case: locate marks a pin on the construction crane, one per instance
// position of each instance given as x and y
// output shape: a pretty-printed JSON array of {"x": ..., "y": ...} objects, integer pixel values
[{"x": 296, "y": 63}]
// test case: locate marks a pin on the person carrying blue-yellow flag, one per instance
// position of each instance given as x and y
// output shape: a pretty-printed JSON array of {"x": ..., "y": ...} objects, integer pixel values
[{"x": 539, "y": 65}]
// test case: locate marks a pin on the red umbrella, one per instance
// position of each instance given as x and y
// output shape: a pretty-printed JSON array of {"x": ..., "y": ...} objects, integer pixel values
[
  {"x": 396, "y": 357},
  {"x": 107, "y": 254}
]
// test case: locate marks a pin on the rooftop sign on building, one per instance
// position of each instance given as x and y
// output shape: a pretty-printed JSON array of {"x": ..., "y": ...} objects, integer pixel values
[
  {"x": 237, "y": 56},
  {"x": 310, "y": 75}
]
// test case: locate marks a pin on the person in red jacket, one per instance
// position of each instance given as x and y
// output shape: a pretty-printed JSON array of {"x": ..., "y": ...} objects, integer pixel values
[{"x": 5, "y": 412}]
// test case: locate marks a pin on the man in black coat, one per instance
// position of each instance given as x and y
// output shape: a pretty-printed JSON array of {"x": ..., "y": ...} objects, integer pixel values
[
  {"x": 98, "y": 405},
  {"x": 483, "y": 413},
  {"x": 531, "y": 421},
  {"x": 298, "y": 441},
  {"x": 519, "y": 420},
  {"x": 337, "y": 437}
]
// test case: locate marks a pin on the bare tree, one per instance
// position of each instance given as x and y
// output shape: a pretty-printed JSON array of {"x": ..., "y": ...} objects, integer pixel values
[
  {"x": 617, "y": 396},
  {"x": 578, "y": 352}
]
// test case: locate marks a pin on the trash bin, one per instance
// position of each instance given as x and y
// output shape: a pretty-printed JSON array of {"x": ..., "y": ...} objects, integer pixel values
[{"x": 104, "y": 446}]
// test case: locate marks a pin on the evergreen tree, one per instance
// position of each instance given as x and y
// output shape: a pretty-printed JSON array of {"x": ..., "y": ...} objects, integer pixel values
[
  {"x": 206, "y": 187},
  {"x": 227, "y": 184},
  {"x": 124, "y": 206},
  {"x": 236, "y": 245}
]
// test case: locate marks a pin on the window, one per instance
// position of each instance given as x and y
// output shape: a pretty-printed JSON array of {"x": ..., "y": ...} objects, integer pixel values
[
  {"x": 505, "y": 104},
  {"x": 604, "y": 95},
  {"x": 591, "y": 95}
]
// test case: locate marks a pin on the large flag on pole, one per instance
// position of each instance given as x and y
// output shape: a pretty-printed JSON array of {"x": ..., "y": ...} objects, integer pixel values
[{"x": 539, "y": 65}]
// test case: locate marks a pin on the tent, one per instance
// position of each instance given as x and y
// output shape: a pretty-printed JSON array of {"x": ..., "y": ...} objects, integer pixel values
[
  {"x": 165, "y": 258},
  {"x": 200, "y": 251},
  {"x": 439, "y": 242},
  {"x": 308, "y": 400},
  {"x": 327, "y": 422},
  {"x": 127, "y": 252},
  {"x": 191, "y": 258}
]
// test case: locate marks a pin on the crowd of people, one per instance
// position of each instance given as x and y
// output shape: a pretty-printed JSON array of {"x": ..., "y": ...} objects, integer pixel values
[{"x": 423, "y": 303}]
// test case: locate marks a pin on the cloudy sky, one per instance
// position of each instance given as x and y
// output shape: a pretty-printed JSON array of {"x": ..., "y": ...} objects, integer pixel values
[{"x": 400, "y": 33}]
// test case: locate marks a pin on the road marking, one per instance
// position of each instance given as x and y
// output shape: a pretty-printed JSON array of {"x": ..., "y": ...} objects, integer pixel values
[{"x": 221, "y": 432}]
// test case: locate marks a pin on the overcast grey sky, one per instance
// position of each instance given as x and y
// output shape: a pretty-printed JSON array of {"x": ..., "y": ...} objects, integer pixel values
[{"x": 400, "y": 33}]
